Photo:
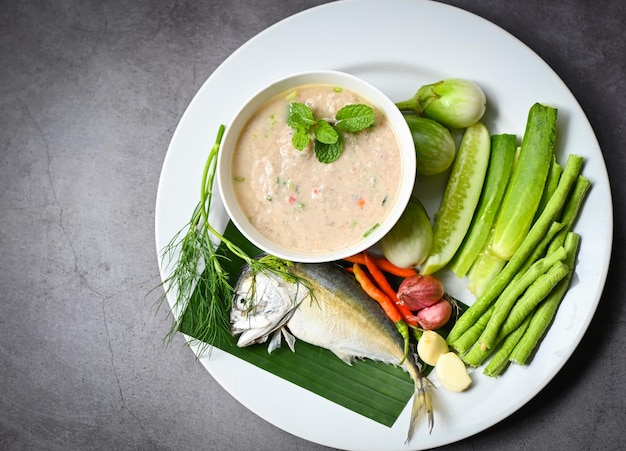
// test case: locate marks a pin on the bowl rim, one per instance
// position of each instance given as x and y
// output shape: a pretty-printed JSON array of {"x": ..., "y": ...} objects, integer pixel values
[{"x": 243, "y": 114}]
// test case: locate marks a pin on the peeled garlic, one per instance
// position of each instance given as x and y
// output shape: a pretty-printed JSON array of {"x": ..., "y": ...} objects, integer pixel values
[
  {"x": 430, "y": 346},
  {"x": 452, "y": 373}
]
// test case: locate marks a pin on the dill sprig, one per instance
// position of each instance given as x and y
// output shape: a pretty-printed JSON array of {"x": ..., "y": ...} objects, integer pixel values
[{"x": 198, "y": 274}]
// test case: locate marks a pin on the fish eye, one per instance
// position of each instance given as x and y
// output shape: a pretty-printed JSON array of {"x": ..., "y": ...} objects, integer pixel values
[{"x": 240, "y": 300}]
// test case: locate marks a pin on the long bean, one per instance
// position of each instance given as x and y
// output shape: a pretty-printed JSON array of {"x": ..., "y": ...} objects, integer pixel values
[
  {"x": 529, "y": 300},
  {"x": 544, "y": 247},
  {"x": 571, "y": 209},
  {"x": 551, "y": 183},
  {"x": 500, "y": 359},
  {"x": 513, "y": 291},
  {"x": 553, "y": 208},
  {"x": 464, "y": 342},
  {"x": 471, "y": 335},
  {"x": 537, "y": 292},
  {"x": 544, "y": 314}
]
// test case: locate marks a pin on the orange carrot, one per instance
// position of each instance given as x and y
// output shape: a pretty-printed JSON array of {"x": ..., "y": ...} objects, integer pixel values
[
  {"x": 385, "y": 286},
  {"x": 384, "y": 265},
  {"x": 387, "y": 266},
  {"x": 379, "y": 277},
  {"x": 357, "y": 258},
  {"x": 385, "y": 302},
  {"x": 374, "y": 292}
]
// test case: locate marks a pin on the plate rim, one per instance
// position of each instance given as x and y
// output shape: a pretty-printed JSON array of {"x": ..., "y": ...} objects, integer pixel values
[{"x": 303, "y": 15}]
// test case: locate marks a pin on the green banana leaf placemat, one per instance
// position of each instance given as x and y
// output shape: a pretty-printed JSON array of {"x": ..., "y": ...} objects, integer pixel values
[{"x": 375, "y": 390}]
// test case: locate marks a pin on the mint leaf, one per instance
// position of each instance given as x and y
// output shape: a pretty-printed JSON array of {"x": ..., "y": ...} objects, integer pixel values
[
  {"x": 328, "y": 141},
  {"x": 326, "y": 133},
  {"x": 300, "y": 139},
  {"x": 354, "y": 118},
  {"x": 328, "y": 153},
  {"x": 300, "y": 116}
]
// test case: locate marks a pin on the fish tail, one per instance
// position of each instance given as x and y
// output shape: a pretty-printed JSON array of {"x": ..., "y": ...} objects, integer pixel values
[{"x": 422, "y": 403}]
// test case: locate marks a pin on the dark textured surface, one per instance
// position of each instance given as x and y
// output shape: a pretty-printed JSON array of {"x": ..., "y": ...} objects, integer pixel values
[{"x": 90, "y": 95}]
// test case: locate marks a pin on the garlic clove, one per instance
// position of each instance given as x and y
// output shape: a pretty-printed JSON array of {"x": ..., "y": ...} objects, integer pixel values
[
  {"x": 452, "y": 372},
  {"x": 430, "y": 346}
]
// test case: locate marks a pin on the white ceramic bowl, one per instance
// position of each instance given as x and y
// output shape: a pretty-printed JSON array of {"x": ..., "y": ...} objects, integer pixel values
[{"x": 379, "y": 100}]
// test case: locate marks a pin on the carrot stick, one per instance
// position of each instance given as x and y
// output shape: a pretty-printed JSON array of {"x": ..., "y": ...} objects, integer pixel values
[
  {"x": 385, "y": 302},
  {"x": 357, "y": 258},
  {"x": 385, "y": 286},
  {"x": 379, "y": 277},
  {"x": 384, "y": 265},
  {"x": 387, "y": 266},
  {"x": 374, "y": 292}
]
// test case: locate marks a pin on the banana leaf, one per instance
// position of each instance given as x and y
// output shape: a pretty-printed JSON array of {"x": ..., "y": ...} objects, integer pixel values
[{"x": 375, "y": 390}]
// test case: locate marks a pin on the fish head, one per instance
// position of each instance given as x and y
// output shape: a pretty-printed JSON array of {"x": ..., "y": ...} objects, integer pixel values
[{"x": 262, "y": 303}]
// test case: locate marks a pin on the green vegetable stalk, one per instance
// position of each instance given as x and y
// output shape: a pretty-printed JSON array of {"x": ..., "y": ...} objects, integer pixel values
[
  {"x": 553, "y": 180},
  {"x": 500, "y": 360},
  {"x": 513, "y": 291},
  {"x": 544, "y": 314},
  {"x": 536, "y": 293}
]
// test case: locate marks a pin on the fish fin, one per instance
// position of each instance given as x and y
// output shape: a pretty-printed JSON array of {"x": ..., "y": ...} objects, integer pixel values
[
  {"x": 422, "y": 401},
  {"x": 347, "y": 358},
  {"x": 277, "y": 340},
  {"x": 290, "y": 339}
]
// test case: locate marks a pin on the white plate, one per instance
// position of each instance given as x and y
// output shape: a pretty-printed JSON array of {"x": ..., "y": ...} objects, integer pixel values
[{"x": 397, "y": 45}]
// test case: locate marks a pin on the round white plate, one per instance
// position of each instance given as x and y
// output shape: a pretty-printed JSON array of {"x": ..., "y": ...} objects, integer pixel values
[{"x": 397, "y": 45}]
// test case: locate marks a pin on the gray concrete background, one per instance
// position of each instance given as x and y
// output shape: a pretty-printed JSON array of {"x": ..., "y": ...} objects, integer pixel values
[{"x": 90, "y": 95}]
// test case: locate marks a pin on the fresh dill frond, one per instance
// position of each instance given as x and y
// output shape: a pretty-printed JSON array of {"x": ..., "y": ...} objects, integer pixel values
[
  {"x": 198, "y": 281},
  {"x": 200, "y": 287}
]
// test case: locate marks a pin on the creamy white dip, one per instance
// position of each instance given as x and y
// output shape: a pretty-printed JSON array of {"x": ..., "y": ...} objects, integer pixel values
[{"x": 296, "y": 201}]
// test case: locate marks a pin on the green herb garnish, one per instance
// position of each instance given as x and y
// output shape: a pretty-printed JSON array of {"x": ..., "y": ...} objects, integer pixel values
[
  {"x": 327, "y": 153},
  {"x": 369, "y": 231},
  {"x": 354, "y": 118},
  {"x": 197, "y": 267},
  {"x": 328, "y": 142}
]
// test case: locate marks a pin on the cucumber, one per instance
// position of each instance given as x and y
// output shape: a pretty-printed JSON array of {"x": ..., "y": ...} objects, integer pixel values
[
  {"x": 460, "y": 197},
  {"x": 498, "y": 174},
  {"x": 524, "y": 193}
]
